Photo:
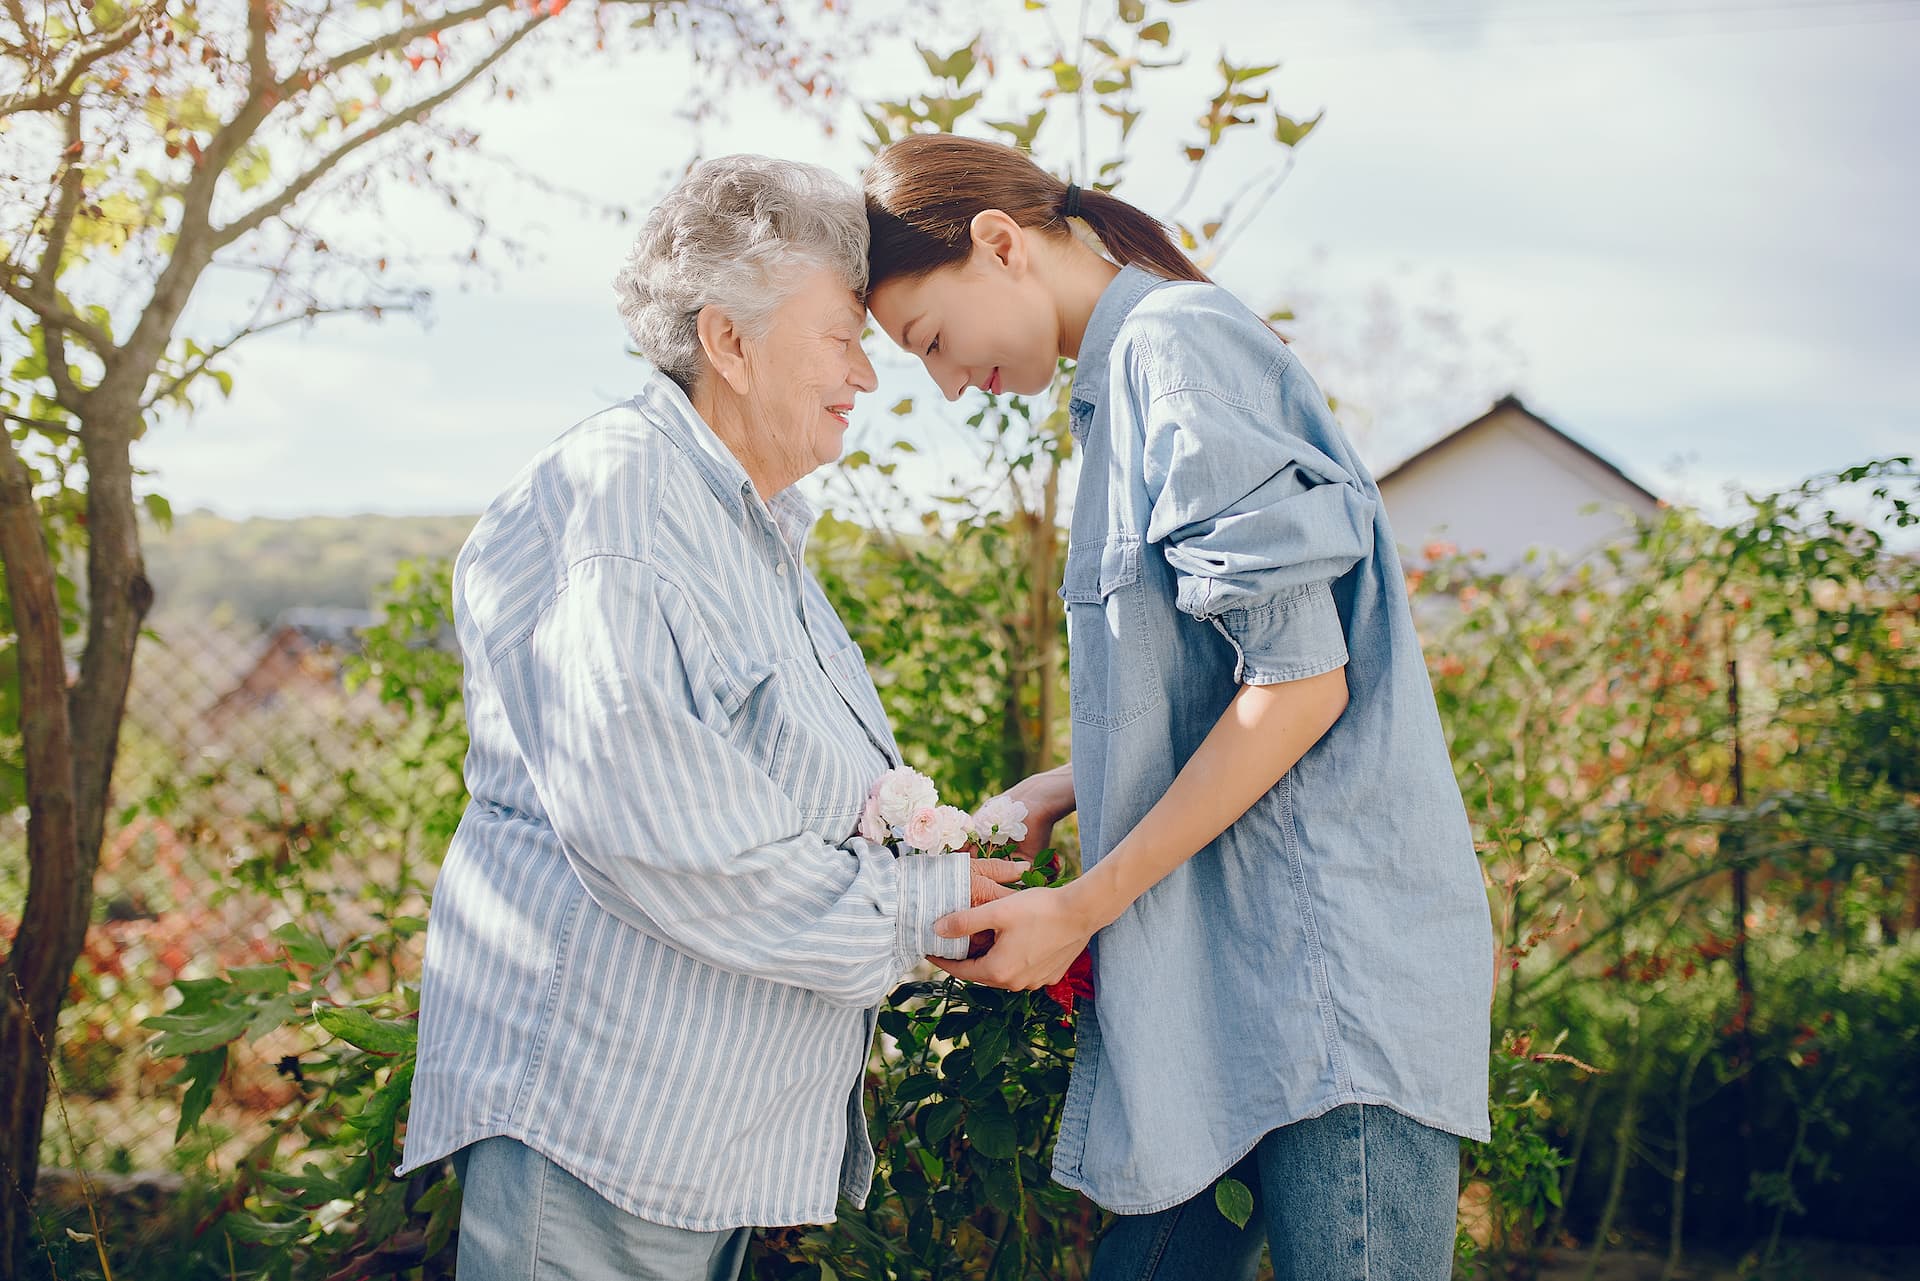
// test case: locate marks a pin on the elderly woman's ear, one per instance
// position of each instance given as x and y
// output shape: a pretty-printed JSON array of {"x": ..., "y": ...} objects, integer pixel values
[{"x": 724, "y": 345}]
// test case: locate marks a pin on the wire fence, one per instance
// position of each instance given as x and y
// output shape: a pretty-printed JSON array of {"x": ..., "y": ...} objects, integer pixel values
[{"x": 243, "y": 758}]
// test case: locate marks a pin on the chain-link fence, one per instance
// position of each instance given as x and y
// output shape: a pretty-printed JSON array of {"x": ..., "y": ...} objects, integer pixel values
[{"x": 248, "y": 792}]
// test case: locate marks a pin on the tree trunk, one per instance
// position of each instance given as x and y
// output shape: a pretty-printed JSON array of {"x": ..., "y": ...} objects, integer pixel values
[
  {"x": 1623, "y": 1132},
  {"x": 71, "y": 739},
  {"x": 33, "y": 977},
  {"x": 1682, "y": 1108}
]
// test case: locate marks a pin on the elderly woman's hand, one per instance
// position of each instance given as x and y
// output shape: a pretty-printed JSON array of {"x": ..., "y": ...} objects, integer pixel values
[
  {"x": 993, "y": 878},
  {"x": 1036, "y": 935}
]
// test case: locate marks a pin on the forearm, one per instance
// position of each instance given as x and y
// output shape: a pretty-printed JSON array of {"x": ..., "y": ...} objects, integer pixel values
[{"x": 1263, "y": 733}]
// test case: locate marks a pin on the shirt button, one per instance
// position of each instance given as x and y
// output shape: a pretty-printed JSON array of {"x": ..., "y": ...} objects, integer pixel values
[{"x": 781, "y": 569}]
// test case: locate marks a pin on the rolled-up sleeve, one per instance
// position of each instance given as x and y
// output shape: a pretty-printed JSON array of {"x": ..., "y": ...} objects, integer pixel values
[
  {"x": 676, "y": 831},
  {"x": 1256, "y": 521}
]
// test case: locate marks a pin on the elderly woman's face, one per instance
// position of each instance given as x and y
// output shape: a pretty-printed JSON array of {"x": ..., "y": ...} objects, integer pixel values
[{"x": 806, "y": 371}]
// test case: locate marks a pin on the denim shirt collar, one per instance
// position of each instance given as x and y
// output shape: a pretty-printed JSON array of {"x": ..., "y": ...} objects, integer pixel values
[
  {"x": 1116, "y": 302},
  {"x": 670, "y": 410}
]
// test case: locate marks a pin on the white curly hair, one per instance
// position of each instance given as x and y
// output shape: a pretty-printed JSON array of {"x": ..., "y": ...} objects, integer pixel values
[{"x": 738, "y": 233}]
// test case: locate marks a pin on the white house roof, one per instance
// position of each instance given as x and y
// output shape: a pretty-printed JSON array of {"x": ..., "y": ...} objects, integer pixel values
[
  {"x": 1507, "y": 484},
  {"x": 1511, "y": 404}
]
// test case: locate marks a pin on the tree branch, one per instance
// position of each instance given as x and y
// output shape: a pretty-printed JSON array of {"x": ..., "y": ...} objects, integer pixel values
[
  {"x": 53, "y": 96},
  {"x": 42, "y": 424},
  {"x": 52, "y": 312},
  {"x": 393, "y": 40},
  {"x": 65, "y": 390},
  {"x": 292, "y": 192}
]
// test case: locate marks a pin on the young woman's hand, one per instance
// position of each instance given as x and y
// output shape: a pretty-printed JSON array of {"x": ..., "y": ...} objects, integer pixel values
[
  {"x": 1037, "y": 933},
  {"x": 993, "y": 879},
  {"x": 1048, "y": 797}
]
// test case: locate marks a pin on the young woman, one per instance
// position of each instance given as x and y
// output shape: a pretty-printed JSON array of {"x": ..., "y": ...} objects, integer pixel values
[{"x": 1291, "y": 941}]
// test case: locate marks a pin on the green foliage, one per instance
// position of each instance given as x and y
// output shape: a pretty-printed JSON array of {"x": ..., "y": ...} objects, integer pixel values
[
  {"x": 1698, "y": 713},
  {"x": 963, "y": 1104},
  {"x": 1514, "y": 1177}
]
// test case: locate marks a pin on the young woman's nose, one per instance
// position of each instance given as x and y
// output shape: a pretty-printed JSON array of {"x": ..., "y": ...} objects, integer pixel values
[{"x": 951, "y": 380}]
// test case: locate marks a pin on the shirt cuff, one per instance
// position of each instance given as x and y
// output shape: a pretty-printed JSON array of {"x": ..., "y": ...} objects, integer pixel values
[
  {"x": 932, "y": 886},
  {"x": 1286, "y": 639}
]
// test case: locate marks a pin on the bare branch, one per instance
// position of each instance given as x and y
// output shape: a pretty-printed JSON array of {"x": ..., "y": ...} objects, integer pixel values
[
  {"x": 57, "y": 93},
  {"x": 292, "y": 192},
  {"x": 47, "y": 300},
  {"x": 393, "y": 40}
]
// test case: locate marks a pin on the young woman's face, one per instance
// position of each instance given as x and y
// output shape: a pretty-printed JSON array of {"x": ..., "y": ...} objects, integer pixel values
[{"x": 988, "y": 322}]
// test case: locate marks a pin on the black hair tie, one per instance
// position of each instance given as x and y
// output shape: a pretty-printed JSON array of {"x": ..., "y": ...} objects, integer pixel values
[{"x": 1072, "y": 209}]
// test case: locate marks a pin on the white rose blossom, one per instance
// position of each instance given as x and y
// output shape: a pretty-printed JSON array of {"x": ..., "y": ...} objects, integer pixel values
[
  {"x": 1001, "y": 821},
  {"x": 900, "y": 793}
]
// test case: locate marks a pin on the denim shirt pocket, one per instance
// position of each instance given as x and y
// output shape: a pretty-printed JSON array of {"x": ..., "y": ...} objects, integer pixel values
[{"x": 1113, "y": 678}]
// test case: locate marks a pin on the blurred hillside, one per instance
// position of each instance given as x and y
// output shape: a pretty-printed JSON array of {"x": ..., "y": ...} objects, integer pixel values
[{"x": 247, "y": 572}]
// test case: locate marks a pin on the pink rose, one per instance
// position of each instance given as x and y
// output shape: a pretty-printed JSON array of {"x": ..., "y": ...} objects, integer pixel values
[
  {"x": 923, "y": 829},
  {"x": 871, "y": 825}
]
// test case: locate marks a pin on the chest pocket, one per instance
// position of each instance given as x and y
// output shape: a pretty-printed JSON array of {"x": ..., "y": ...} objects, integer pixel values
[
  {"x": 1112, "y": 674},
  {"x": 797, "y": 727}
]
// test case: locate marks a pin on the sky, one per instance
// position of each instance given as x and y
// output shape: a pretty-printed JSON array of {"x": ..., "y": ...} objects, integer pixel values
[{"x": 1683, "y": 233}]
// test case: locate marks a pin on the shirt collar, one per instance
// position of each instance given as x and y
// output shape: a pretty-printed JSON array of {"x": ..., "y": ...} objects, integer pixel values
[
  {"x": 682, "y": 424},
  {"x": 1117, "y": 301}
]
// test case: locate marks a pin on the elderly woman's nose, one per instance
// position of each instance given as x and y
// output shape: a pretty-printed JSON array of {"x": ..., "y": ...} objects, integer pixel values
[{"x": 863, "y": 376}]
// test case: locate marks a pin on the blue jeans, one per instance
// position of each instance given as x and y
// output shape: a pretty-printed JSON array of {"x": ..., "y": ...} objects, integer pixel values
[
  {"x": 1358, "y": 1194},
  {"x": 523, "y": 1218}
]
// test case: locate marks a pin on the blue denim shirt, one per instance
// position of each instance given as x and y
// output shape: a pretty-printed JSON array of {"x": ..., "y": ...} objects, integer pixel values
[{"x": 1334, "y": 945}]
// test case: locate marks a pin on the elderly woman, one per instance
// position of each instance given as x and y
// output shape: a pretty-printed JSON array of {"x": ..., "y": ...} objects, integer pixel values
[{"x": 657, "y": 945}]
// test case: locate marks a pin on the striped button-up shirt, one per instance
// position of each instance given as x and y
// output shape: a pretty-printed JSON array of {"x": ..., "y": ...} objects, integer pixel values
[{"x": 657, "y": 946}]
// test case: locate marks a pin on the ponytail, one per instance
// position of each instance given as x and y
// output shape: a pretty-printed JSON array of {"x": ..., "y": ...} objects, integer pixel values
[{"x": 923, "y": 192}]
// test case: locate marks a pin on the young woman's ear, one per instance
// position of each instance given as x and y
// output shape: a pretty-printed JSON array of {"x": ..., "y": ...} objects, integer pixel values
[
  {"x": 1001, "y": 240},
  {"x": 725, "y": 347}
]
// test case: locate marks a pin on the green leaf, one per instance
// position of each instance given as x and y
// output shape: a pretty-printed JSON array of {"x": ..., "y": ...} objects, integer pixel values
[
  {"x": 902, "y": 406},
  {"x": 357, "y": 1027},
  {"x": 990, "y": 1131},
  {"x": 1289, "y": 132},
  {"x": 1234, "y": 1201},
  {"x": 1022, "y": 133},
  {"x": 989, "y": 1047},
  {"x": 201, "y": 1072},
  {"x": 302, "y": 946},
  {"x": 246, "y": 1227},
  {"x": 184, "y": 1034},
  {"x": 260, "y": 978},
  {"x": 159, "y": 510},
  {"x": 1158, "y": 32},
  {"x": 941, "y": 1119},
  {"x": 1132, "y": 11},
  {"x": 915, "y": 1088}
]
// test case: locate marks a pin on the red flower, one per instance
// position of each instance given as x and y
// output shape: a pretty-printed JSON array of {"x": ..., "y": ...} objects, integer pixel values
[{"x": 1077, "y": 982}]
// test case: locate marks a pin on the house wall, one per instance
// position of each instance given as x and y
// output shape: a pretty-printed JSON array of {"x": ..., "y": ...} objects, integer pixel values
[{"x": 1503, "y": 487}]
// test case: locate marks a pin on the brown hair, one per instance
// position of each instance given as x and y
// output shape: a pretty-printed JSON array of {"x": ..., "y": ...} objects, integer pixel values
[{"x": 923, "y": 192}]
